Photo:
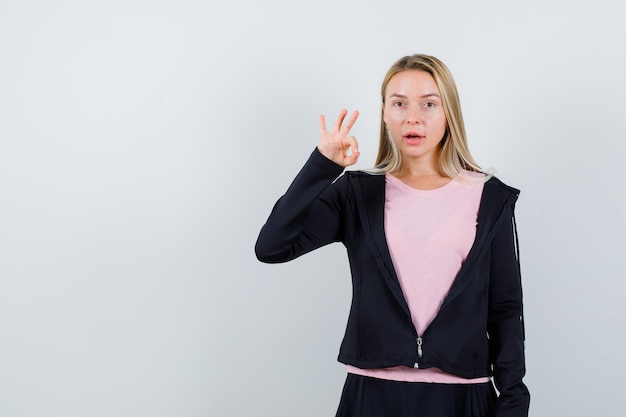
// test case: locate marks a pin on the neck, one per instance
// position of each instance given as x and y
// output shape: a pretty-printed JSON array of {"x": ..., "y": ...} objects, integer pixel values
[
  {"x": 421, "y": 174},
  {"x": 419, "y": 168}
]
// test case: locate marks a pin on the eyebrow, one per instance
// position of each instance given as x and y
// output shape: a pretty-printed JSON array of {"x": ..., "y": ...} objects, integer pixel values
[{"x": 423, "y": 96}]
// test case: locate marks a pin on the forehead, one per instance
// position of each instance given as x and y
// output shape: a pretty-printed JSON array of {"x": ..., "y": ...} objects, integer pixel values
[{"x": 411, "y": 83}]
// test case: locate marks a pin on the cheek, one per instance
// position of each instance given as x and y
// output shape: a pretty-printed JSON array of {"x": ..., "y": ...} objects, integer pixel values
[
  {"x": 394, "y": 117},
  {"x": 440, "y": 122},
  {"x": 444, "y": 125}
]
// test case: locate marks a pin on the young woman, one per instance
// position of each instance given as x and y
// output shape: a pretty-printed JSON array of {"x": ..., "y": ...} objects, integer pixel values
[{"x": 436, "y": 316}]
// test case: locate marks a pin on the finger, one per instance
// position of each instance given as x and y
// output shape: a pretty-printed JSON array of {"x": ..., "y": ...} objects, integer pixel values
[
  {"x": 351, "y": 159},
  {"x": 323, "y": 130},
  {"x": 346, "y": 128},
  {"x": 339, "y": 121},
  {"x": 352, "y": 143}
]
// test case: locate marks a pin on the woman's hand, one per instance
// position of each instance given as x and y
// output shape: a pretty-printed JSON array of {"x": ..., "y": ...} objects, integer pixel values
[{"x": 336, "y": 145}]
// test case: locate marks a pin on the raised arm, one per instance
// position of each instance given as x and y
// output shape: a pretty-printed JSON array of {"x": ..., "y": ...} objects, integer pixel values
[{"x": 308, "y": 215}]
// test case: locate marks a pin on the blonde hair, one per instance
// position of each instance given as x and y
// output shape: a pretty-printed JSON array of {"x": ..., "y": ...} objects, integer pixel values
[{"x": 454, "y": 155}]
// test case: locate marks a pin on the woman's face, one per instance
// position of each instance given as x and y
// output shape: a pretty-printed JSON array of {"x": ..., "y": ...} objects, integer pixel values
[{"x": 413, "y": 113}]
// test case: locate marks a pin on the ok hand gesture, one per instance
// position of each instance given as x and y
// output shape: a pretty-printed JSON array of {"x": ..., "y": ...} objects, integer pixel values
[{"x": 336, "y": 144}]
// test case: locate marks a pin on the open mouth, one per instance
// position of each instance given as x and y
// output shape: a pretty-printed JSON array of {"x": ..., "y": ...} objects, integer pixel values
[{"x": 413, "y": 137}]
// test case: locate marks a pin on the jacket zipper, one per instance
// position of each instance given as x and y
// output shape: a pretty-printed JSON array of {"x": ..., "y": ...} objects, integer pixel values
[{"x": 420, "y": 342}]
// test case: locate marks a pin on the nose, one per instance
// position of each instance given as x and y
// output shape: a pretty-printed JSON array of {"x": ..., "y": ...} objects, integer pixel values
[{"x": 413, "y": 115}]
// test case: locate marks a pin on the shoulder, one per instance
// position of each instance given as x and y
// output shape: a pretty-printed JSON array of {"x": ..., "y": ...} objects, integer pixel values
[
  {"x": 363, "y": 176},
  {"x": 497, "y": 185},
  {"x": 491, "y": 181},
  {"x": 497, "y": 194},
  {"x": 362, "y": 184}
]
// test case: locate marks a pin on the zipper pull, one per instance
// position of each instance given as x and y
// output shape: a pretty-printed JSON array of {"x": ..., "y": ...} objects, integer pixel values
[
  {"x": 419, "y": 352},
  {"x": 419, "y": 347}
]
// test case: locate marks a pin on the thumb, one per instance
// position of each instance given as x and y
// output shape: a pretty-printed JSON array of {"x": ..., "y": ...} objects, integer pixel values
[{"x": 352, "y": 158}]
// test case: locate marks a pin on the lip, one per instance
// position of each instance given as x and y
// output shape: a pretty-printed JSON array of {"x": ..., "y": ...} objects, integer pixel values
[{"x": 413, "y": 138}]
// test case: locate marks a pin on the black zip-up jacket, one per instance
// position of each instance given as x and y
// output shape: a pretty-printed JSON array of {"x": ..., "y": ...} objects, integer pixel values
[{"x": 479, "y": 328}]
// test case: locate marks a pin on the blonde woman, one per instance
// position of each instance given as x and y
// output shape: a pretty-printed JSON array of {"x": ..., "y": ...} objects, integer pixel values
[{"x": 436, "y": 318}]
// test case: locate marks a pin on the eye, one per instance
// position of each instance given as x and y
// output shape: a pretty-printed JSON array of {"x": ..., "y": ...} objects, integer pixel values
[
  {"x": 429, "y": 104},
  {"x": 398, "y": 104}
]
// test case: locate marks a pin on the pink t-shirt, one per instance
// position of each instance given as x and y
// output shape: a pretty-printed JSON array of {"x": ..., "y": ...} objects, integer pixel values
[{"x": 429, "y": 234}]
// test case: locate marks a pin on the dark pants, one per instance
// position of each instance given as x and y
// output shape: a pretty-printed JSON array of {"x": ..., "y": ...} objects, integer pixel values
[{"x": 364, "y": 396}]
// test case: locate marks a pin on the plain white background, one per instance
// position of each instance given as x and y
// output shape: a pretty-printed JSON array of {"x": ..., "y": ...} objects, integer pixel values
[{"x": 143, "y": 144}]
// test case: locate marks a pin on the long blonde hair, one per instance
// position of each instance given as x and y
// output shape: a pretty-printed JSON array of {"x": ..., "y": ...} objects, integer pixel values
[{"x": 454, "y": 155}]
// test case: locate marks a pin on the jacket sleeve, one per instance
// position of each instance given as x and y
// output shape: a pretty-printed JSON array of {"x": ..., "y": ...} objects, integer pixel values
[
  {"x": 307, "y": 216},
  {"x": 505, "y": 323}
]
